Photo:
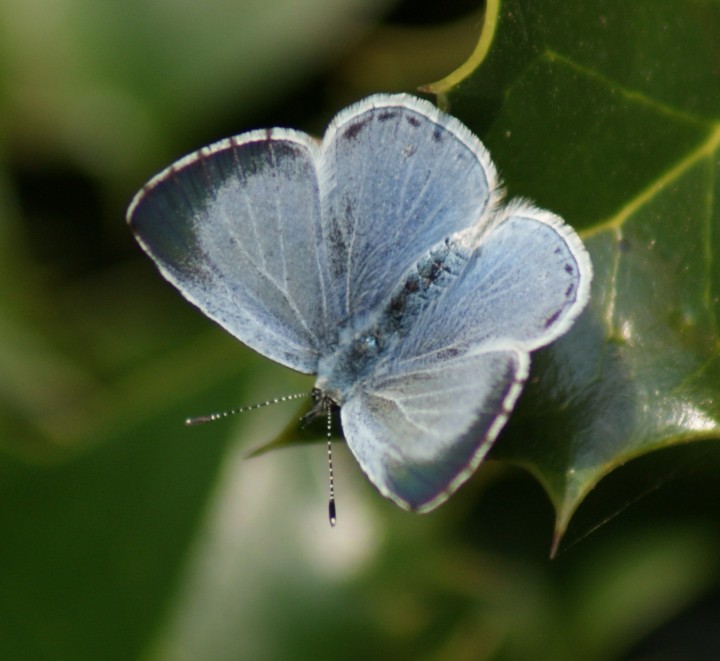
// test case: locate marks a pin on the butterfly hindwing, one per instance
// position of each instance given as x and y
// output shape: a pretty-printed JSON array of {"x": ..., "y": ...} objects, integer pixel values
[
  {"x": 526, "y": 280},
  {"x": 420, "y": 430}
]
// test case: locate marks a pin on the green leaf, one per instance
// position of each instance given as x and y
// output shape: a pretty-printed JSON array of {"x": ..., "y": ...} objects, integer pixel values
[{"x": 609, "y": 114}]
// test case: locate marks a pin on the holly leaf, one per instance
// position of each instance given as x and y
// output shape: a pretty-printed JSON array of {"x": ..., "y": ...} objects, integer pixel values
[{"x": 608, "y": 113}]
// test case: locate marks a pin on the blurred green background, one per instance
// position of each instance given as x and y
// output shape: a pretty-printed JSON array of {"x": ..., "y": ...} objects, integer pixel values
[{"x": 124, "y": 534}]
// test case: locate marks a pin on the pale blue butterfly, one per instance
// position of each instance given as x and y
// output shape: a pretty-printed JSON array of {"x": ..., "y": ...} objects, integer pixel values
[{"x": 381, "y": 260}]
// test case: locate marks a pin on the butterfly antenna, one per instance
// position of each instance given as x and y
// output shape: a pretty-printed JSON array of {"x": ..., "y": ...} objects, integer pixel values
[
  {"x": 331, "y": 503},
  {"x": 212, "y": 417}
]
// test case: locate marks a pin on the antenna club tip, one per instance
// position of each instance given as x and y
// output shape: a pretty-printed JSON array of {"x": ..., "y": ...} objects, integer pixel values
[
  {"x": 189, "y": 422},
  {"x": 332, "y": 513}
]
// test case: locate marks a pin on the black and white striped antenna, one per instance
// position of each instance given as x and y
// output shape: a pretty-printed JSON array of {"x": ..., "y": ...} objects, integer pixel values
[
  {"x": 214, "y": 417},
  {"x": 331, "y": 503}
]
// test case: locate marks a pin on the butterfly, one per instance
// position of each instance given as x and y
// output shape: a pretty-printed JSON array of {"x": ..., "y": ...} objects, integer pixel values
[{"x": 381, "y": 259}]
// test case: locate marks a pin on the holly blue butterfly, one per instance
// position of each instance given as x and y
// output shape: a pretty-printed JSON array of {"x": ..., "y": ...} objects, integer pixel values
[{"x": 382, "y": 260}]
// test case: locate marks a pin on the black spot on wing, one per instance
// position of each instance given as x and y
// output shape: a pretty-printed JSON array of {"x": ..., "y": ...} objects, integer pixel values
[
  {"x": 386, "y": 115},
  {"x": 352, "y": 131},
  {"x": 553, "y": 318},
  {"x": 413, "y": 121}
]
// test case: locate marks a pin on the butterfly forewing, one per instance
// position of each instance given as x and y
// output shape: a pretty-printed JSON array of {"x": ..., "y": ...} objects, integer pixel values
[
  {"x": 236, "y": 228},
  {"x": 397, "y": 177}
]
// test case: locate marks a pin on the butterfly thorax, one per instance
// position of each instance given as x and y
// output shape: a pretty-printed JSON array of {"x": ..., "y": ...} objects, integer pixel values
[{"x": 360, "y": 348}]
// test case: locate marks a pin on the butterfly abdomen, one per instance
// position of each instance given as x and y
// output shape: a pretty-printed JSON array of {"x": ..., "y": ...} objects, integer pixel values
[{"x": 431, "y": 275}]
